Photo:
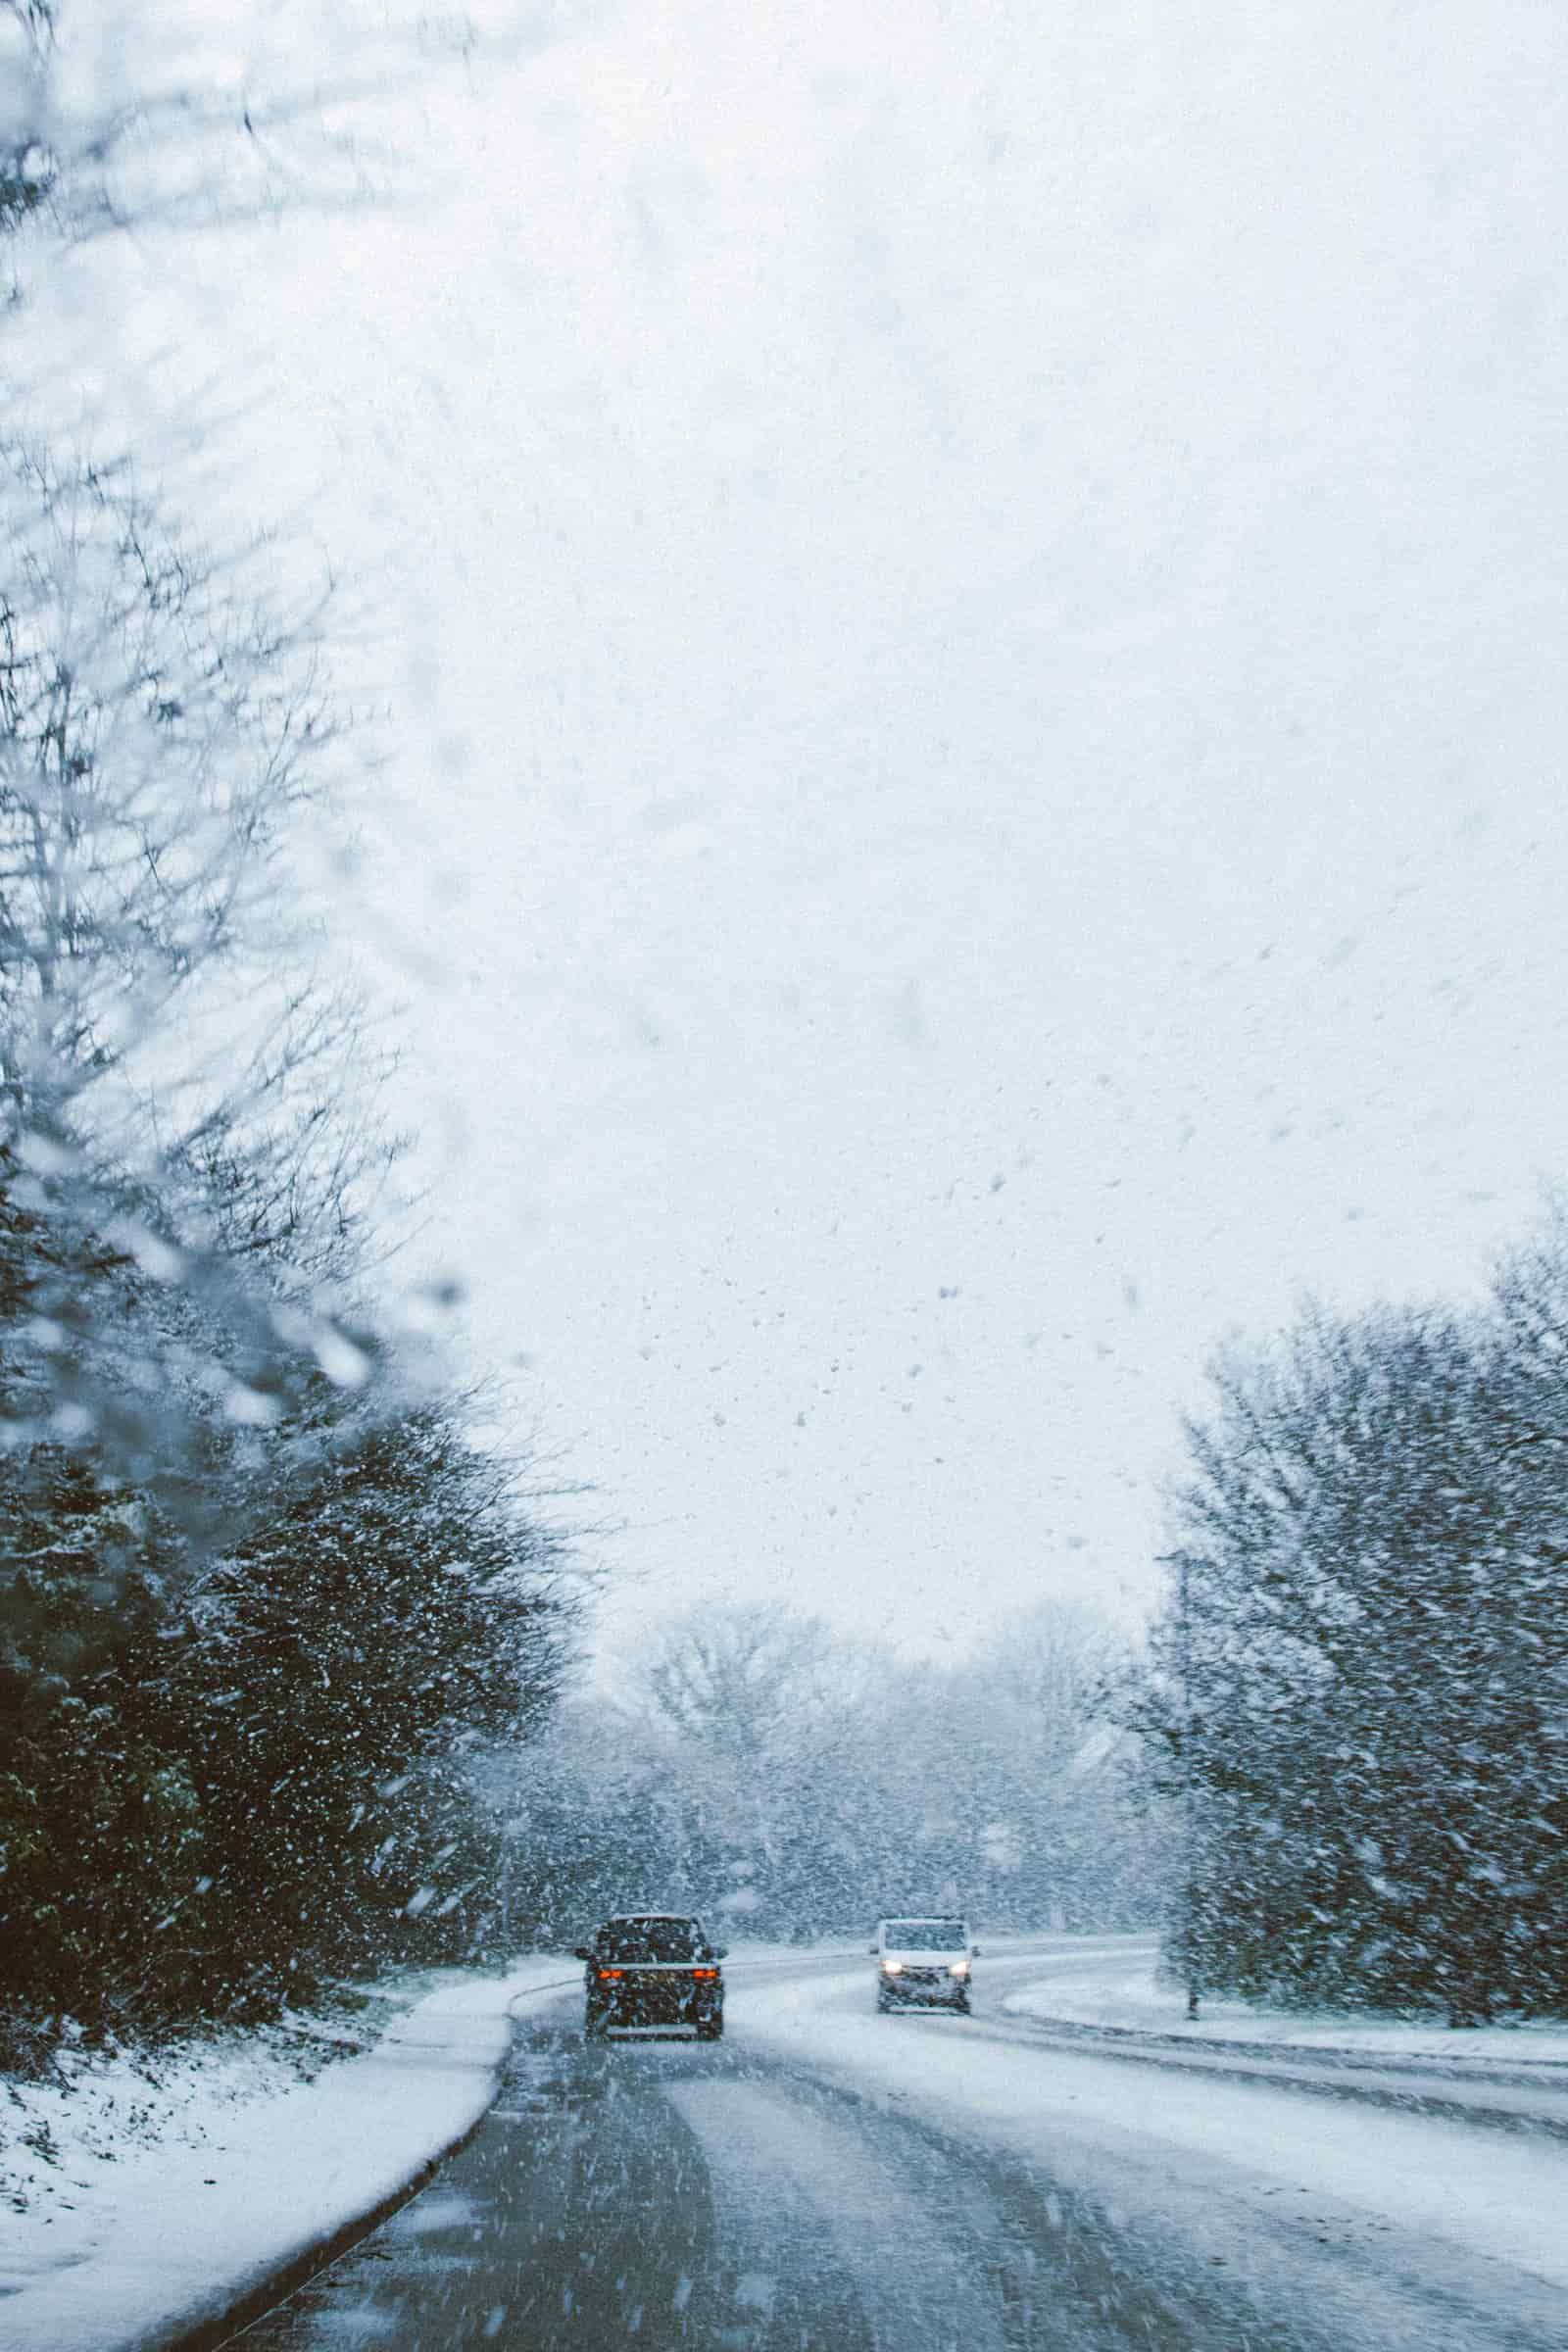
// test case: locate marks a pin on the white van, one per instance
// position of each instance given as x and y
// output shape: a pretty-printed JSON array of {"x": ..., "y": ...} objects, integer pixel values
[{"x": 923, "y": 1961}]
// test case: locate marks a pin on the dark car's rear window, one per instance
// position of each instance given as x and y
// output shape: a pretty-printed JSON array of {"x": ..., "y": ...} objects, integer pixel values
[{"x": 651, "y": 1940}]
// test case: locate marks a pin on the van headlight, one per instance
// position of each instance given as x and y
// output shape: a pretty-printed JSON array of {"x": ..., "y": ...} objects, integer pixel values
[
  {"x": 891, "y": 1968},
  {"x": 959, "y": 1968}
]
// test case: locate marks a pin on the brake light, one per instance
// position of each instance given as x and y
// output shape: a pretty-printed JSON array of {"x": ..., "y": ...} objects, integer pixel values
[
  {"x": 605, "y": 1975},
  {"x": 704, "y": 1972}
]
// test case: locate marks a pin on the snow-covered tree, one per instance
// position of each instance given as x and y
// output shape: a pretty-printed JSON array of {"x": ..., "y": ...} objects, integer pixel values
[
  {"x": 761, "y": 1767},
  {"x": 1360, "y": 1689},
  {"x": 259, "y": 1608}
]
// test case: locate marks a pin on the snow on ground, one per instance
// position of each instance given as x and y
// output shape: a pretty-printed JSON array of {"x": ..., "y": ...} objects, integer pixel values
[
  {"x": 156, "y": 2201},
  {"x": 1502, "y": 2197},
  {"x": 1124, "y": 1994},
  {"x": 154, "y": 2198},
  {"x": 776, "y": 1955}
]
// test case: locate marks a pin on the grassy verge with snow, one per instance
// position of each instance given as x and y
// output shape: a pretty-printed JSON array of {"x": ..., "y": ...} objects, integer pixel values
[
  {"x": 1127, "y": 1997},
  {"x": 87, "y": 2109}
]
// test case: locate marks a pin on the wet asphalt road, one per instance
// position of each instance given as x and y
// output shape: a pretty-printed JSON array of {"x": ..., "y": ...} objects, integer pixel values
[{"x": 660, "y": 2193}]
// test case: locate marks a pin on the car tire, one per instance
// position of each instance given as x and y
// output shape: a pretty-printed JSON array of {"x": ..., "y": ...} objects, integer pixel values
[
  {"x": 712, "y": 2029},
  {"x": 595, "y": 2025}
]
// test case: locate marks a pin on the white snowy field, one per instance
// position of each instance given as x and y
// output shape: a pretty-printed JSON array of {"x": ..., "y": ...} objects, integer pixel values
[
  {"x": 1119, "y": 1989},
  {"x": 1196, "y": 2145},
  {"x": 151, "y": 2207}
]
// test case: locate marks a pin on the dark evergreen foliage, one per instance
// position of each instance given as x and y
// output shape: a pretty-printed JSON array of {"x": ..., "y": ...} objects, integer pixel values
[
  {"x": 259, "y": 1606},
  {"x": 226, "y": 1779},
  {"x": 1364, "y": 1667},
  {"x": 262, "y": 1609},
  {"x": 396, "y": 1617}
]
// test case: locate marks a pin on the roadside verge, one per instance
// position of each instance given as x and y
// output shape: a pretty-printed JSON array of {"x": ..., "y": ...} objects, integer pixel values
[
  {"x": 1125, "y": 2002},
  {"x": 180, "y": 2246}
]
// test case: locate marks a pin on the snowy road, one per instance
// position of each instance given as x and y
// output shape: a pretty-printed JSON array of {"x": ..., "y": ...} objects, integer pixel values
[{"x": 830, "y": 2178}]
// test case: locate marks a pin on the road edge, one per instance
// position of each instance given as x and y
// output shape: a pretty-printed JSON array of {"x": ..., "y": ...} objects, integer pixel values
[
  {"x": 234, "y": 2309},
  {"x": 1342, "y": 2057}
]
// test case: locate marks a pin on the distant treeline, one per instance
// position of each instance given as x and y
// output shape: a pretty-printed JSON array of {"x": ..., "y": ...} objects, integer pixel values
[
  {"x": 760, "y": 1769},
  {"x": 1360, "y": 1702}
]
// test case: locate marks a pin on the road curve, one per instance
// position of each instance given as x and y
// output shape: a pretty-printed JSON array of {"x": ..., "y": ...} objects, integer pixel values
[
  {"x": 1531, "y": 2096},
  {"x": 660, "y": 2194}
]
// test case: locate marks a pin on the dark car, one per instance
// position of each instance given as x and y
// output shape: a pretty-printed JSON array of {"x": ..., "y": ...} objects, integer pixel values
[{"x": 654, "y": 1968}]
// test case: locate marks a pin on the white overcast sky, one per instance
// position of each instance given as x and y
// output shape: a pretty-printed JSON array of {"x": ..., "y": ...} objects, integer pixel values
[{"x": 973, "y": 607}]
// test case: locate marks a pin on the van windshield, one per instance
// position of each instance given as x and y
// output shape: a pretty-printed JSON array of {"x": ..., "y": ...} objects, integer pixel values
[{"x": 926, "y": 1934}]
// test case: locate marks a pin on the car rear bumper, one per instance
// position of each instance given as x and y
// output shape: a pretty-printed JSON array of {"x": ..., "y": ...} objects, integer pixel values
[
  {"x": 652, "y": 1999},
  {"x": 656, "y": 2013}
]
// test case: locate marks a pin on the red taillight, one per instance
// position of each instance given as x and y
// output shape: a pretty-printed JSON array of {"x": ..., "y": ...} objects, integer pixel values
[
  {"x": 704, "y": 1972},
  {"x": 605, "y": 1975}
]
